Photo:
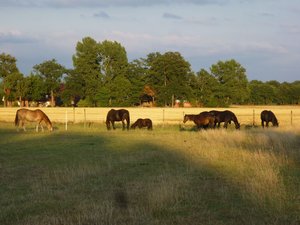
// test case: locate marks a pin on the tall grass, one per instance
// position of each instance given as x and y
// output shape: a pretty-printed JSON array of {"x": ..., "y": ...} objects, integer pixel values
[{"x": 167, "y": 176}]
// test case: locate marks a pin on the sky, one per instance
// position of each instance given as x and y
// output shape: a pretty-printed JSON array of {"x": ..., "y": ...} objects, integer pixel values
[{"x": 262, "y": 35}]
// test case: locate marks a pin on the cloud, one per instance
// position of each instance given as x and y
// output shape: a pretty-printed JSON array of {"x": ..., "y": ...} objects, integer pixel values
[
  {"x": 171, "y": 16},
  {"x": 101, "y": 14},
  {"x": 16, "y": 37},
  {"x": 102, "y": 3}
]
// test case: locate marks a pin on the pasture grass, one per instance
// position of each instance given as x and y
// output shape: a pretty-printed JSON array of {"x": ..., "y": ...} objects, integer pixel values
[{"x": 171, "y": 175}]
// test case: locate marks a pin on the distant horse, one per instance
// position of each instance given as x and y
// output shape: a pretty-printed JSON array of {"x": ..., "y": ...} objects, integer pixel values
[
  {"x": 202, "y": 120},
  {"x": 268, "y": 116},
  {"x": 140, "y": 123},
  {"x": 37, "y": 115},
  {"x": 117, "y": 115},
  {"x": 226, "y": 117}
]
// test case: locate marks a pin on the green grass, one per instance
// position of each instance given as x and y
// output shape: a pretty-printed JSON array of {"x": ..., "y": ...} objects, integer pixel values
[{"x": 164, "y": 176}]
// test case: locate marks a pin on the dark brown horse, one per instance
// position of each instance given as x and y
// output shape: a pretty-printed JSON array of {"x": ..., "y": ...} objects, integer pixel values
[
  {"x": 37, "y": 115},
  {"x": 202, "y": 120},
  {"x": 226, "y": 117},
  {"x": 140, "y": 123},
  {"x": 117, "y": 115},
  {"x": 268, "y": 116}
]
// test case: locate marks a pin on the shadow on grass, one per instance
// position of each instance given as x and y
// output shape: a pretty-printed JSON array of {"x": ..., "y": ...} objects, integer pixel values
[{"x": 116, "y": 178}]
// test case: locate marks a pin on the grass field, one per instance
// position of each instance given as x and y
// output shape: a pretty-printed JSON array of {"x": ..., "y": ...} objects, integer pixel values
[{"x": 164, "y": 176}]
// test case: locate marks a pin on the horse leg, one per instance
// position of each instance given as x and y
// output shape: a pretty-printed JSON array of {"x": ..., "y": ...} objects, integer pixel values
[
  {"x": 225, "y": 124},
  {"x": 42, "y": 127},
  {"x": 113, "y": 124},
  {"x": 123, "y": 124},
  {"x": 267, "y": 124},
  {"x": 262, "y": 124},
  {"x": 22, "y": 124},
  {"x": 128, "y": 123}
]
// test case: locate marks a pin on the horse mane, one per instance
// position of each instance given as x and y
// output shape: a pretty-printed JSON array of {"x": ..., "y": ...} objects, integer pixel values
[{"x": 46, "y": 118}]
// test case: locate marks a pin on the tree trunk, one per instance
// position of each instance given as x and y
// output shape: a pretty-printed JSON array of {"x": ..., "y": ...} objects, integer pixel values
[{"x": 52, "y": 99}]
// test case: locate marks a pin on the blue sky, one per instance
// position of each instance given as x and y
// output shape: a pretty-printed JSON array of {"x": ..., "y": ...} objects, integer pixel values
[{"x": 262, "y": 35}]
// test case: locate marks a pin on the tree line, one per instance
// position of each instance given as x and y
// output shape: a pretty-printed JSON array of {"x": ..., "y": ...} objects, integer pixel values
[{"x": 103, "y": 76}]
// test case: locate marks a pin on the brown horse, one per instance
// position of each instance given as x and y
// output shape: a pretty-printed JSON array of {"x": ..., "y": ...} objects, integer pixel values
[
  {"x": 226, "y": 117},
  {"x": 140, "y": 123},
  {"x": 117, "y": 115},
  {"x": 202, "y": 120},
  {"x": 268, "y": 116},
  {"x": 37, "y": 115}
]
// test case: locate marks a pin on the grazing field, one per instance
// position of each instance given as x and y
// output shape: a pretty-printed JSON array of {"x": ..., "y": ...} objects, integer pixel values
[
  {"x": 165, "y": 176},
  {"x": 247, "y": 115}
]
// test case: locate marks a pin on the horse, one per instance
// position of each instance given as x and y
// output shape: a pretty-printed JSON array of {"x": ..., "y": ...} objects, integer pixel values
[
  {"x": 140, "y": 123},
  {"x": 268, "y": 116},
  {"x": 202, "y": 120},
  {"x": 37, "y": 115},
  {"x": 226, "y": 117},
  {"x": 117, "y": 115}
]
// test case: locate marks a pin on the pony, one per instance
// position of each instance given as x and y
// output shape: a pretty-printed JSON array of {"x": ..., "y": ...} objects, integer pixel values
[
  {"x": 37, "y": 115},
  {"x": 140, "y": 123},
  {"x": 226, "y": 117},
  {"x": 117, "y": 115},
  {"x": 268, "y": 116},
  {"x": 202, "y": 120}
]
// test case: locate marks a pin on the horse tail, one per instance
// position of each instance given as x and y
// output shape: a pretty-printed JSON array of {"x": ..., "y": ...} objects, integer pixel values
[{"x": 17, "y": 119}]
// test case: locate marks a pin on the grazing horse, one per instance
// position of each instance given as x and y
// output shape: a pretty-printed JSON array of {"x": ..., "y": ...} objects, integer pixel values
[
  {"x": 140, "y": 123},
  {"x": 202, "y": 120},
  {"x": 268, "y": 116},
  {"x": 226, "y": 117},
  {"x": 117, "y": 115},
  {"x": 37, "y": 115}
]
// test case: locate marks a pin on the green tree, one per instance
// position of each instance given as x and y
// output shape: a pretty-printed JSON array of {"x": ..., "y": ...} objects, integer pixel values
[
  {"x": 205, "y": 88},
  {"x": 261, "y": 93},
  {"x": 9, "y": 73},
  {"x": 136, "y": 74},
  {"x": 87, "y": 69},
  {"x": 114, "y": 67},
  {"x": 233, "y": 81},
  {"x": 34, "y": 87},
  {"x": 51, "y": 72},
  {"x": 170, "y": 75}
]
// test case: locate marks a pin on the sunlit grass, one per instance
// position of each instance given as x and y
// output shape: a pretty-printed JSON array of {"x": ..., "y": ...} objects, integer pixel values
[{"x": 166, "y": 176}]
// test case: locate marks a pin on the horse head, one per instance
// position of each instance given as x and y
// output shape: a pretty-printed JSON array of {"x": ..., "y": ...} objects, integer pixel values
[{"x": 185, "y": 118}]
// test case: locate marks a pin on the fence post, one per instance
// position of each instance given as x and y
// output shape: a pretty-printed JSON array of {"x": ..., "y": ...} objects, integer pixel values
[
  {"x": 66, "y": 127},
  {"x": 84, "y": 113},
  {"x": 291, "y": 117},
  {"x": 253, "y": 120},
  {"x": 163, "y": 117},
  {"x": 73, "y": 115}
]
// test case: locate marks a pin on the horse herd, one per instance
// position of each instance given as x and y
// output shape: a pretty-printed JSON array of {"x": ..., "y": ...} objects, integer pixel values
[{"x": 207, "y": 119}]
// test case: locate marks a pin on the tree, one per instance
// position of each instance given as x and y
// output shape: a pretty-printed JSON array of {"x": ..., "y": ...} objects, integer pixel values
[
  {"x": 87, "y": 69},
  {"x": 170, "y": 75},
  {"x": 114, "y": 67},
  {"x": 9, "y": 73},
  {"x": 51, "y": 72},
  {"x": 205, "y": 87},
  {"x": 233, "y": 81}
]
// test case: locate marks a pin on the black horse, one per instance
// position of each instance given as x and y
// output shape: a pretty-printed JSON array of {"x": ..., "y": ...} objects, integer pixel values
[
  {"x": 117, "y": 115},
  {"x": 226, "y": 117},
  {"x": 268, "y": 116},
  {"x": 140, "y": 123}
]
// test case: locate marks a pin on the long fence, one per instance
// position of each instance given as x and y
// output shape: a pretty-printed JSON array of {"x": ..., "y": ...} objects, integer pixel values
[{"x": 247, "y": 115}]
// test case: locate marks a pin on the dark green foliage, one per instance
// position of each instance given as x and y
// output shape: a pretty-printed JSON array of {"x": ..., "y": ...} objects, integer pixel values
[{"x": 102, "y": 76}]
